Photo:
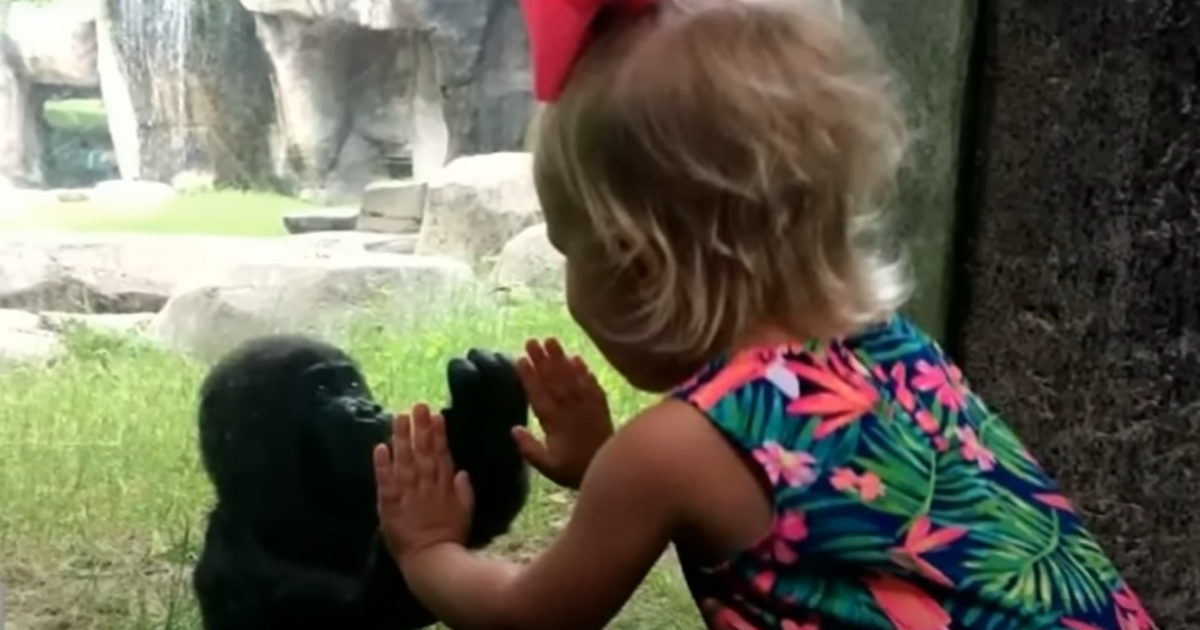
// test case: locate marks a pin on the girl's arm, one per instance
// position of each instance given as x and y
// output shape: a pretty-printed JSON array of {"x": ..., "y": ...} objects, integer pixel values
[{"x": 628, "y": 508}]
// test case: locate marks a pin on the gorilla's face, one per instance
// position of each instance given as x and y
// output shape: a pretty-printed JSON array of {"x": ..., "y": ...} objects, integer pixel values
[{"x": 343, "y": 424}]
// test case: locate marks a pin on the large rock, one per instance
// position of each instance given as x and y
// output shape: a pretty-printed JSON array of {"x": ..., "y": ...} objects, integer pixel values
[
  {"x": 20, "y": 147},
  {"x": 1082, "y": 319},
  {"x": 56, "y": 42},
  {"x": 363, "y": 82},
  {"x": 528, "y": 262},
  {"x": 137, "y": 273},
  {"x": 476, "y": 204},
  {"x": 317, "y": 296},
  {"x": 929, "y": 43}
]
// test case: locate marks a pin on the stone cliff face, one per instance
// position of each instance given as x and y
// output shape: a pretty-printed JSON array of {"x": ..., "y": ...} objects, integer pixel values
[
  {"x": 364, "y": 83},
  {"x": 18, "y": 143},
  {"x": 186, "y": 86},
  {"x": 314, "y": 97}
]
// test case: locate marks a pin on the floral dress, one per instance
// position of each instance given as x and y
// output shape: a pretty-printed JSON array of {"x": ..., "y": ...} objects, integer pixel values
[{"x": 901, "y": 501}]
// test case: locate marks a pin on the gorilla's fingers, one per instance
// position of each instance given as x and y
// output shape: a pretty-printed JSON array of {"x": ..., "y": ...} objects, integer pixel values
[
  {"x": 463, "y": 378},
  {"x": 506, "y": 369},
  {"x": 495, "y": 366},
  {"x": 481, "y": 358},
  {"x": 461, "y": 368},
  {"x": 500, "y": 375}
]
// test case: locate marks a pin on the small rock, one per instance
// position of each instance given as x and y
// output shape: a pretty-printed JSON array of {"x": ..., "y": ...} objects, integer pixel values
[
  {"x": 115, "y": 322},
  {"x": 132, "y": 196},
  {"x": 393, "y": 206},
  {"x": 13, "y": 319},
  {"x": 22, "y": 340},
  {"x": 529, "y": 261},
  {"x": 400, "y": 244},
  {"x": 476, "y": 204},
  {"x": 355, "y": 242},
  {"x": 193, "y": 182},
  {"x": 21, "y": 346},
  {"x": 73, "y": 195},
  {"x": 321, "y": 220}
]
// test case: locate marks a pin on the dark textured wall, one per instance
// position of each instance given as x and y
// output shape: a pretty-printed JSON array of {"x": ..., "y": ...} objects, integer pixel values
[{"x": 1081, "y": 316}]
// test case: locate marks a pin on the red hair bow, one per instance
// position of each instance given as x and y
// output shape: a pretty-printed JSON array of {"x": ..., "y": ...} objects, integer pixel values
[{"x": 558, "y": 31}]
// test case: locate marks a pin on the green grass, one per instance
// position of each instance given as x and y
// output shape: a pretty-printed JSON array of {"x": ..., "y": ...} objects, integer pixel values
[
  {"x": 103, "y": 497},
  {"x": 231, "y": 212},
  {"x": 77, "y": 115}
]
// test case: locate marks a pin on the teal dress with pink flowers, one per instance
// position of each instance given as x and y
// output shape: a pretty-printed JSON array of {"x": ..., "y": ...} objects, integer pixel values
[{"x": 902, "y": 502}]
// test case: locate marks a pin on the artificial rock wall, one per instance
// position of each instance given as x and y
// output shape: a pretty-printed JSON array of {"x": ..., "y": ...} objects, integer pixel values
[{"x": 1080, "y": 303}]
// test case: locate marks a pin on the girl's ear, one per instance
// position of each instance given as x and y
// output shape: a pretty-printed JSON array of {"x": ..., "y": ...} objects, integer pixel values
[{"x": 639, "y": 268}]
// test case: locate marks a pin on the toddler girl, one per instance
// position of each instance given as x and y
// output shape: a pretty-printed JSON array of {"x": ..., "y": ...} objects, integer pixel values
[{"x": 712, "y": 171}]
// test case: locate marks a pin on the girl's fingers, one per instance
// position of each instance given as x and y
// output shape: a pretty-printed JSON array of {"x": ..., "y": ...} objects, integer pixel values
[
  {"x": 554, "y": 349},
  {"x": 533, "y": 450},
  {"x": 385, "y": 482},
  {"x": 423, "y": 455},
  {"x": 540, "y": 400},
  {"x": 464, "y": 491},
  {"x": 403, "y": 467},
  {"x": 444, "y": 465},
  {"x": 557, "y": 375},
  {"x": 579, "y": 365},
  {"x": 589, "y": 387},
  {"x": 535, "y": 352},
  {"x": 552, "y": 378}
]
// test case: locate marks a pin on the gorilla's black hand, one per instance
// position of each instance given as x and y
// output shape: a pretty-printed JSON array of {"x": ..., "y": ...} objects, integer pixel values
[
  {"x": 486, "y": 402},
  {"x": 485, "y": 391}
]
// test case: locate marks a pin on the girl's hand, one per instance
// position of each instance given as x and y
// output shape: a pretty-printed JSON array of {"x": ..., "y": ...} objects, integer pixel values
[
  {"x": 570, "y": 406},
  {"x": 421, "y": 501}
]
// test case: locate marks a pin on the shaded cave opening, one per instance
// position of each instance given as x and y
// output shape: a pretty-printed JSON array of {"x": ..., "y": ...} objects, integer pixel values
[{"x": 77, "y": 147}]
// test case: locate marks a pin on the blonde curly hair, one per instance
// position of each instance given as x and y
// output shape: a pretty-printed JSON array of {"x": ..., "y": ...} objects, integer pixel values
[{"x": 737, "y": 153}]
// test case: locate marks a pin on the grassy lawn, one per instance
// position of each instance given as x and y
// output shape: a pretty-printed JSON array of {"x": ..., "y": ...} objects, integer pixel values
[
  {"x": 219, "y": 212},
  {"x": 103, "y": 496}
]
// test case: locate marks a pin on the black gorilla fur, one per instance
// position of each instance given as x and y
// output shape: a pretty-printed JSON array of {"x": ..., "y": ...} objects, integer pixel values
[{"x": 287, "y": 425}]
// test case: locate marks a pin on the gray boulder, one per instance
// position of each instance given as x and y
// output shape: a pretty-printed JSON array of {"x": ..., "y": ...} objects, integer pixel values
[{"x": 317, "y": 296}]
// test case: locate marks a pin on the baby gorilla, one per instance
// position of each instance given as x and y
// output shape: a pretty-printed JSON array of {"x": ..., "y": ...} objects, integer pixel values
[{"x": 287, "y": 425}]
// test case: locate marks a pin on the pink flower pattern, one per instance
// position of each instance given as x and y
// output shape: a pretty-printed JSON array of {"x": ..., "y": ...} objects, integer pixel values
[{"x": 794, "y": 468}]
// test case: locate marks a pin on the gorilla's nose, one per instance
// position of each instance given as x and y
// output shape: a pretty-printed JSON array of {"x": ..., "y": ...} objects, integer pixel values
[{"x": 370, "y": 410}]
